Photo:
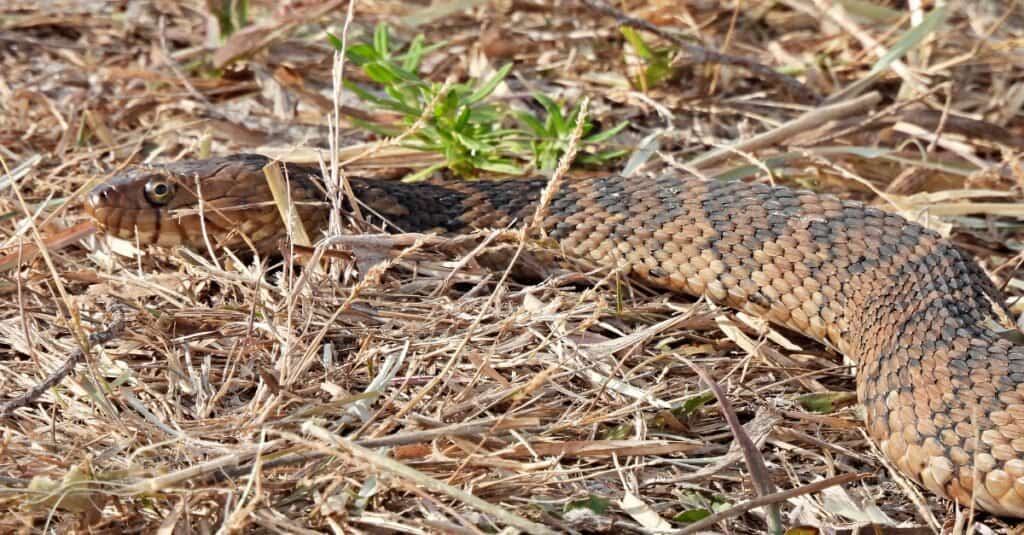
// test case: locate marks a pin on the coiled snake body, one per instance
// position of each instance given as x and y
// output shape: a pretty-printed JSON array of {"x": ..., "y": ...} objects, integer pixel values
[{"x": 943, "y": 390}]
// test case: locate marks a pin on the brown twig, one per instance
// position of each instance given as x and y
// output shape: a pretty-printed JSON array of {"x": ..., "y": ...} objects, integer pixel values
[
  {"x": 755, "y": 462},
  {"x": 7, "y": 409},
  {"x": 768, "y": 499},
  {"x": 463, "y": 429},
  {"x": 336, "y": 444},
  {"x": 812, "y": 119}
]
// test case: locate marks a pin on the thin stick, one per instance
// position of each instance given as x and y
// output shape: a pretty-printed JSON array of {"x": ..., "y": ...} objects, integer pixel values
[
  {"x": 761, "y": 501},
  {"x": 464, "y": 429},
  {"x": 812, "y": 119},
  {"x": 7, "y": 409},
  {"x": 395, "y": 468},
  {"x": 751, "y": 454}
]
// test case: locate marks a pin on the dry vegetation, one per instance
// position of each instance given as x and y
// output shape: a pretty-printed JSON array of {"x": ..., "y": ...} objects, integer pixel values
[{"x": 226, "y": 396}]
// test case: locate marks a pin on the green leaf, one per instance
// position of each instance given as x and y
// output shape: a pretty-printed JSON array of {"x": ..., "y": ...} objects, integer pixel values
[
  {"x": 826, "y": 402},
  {"x": 426, "y": 146},
  {"x": 423, "y": 173},
  {"x": 554, "y": 117},
  {"x": 463, "y": 119},
  {"x": 911, "y": 38},
  {"x": 404, "y": 97},
  {"x": 461, "y": 168},
  {"x": 486, "y": 115},
  {"x": 656, "y": 61},
  {"x": 606, "y": 134},
  {"x": 602, "y": 157},
  {"x": 656, "y": 72},
  {"x": 547, "y": 161},
  {"x": 501, "y": 167},
  {"x": 419, "y": 52},
  {"x": 531, "y": 122},
  {"x": 241, "y": 15},
  {"x": 691, "y": 516},
  {"x": 432, "y": 134},
  {"x": 446, "y": 105},
  {"x": 499, "y": 135},
  {"x": 380, "y": 39},
  {"x": 334, "y": 41},
  {"x": 595, "y": 504},
  {"x": 378, "y": 73},
  {"x": 570, "y": 124},
  {"x": 618, "y": 432},
  {"x": 394, "y": 72},
  {"x": 397, "y": 105},
  {"x": 361, "y": 53},
  {"x": 694, "y": 403},
  {"x": 411, "y": 59},
  {"x": 231, "y": 16},
  {"x": 361, "y": 92},
  {"x": 470, "y": 143},
  {"x": 637, "y": 43},
  {"x": 488, "y": 87}
]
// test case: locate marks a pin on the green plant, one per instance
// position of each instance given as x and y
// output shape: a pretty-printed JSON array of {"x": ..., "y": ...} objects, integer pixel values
[
  {"x": 657, "y": 67},
  {"x": 456, "y": 121},
  {"x": 551, "y": 137},
  {"x": 232, "y": 15}
]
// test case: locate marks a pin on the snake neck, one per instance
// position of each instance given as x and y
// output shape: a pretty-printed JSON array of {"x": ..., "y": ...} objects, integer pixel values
[{"x": 448, "y": 206}]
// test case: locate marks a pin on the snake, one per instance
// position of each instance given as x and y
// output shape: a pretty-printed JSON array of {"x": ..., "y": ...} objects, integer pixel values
[{"x": 940, "y": 381}]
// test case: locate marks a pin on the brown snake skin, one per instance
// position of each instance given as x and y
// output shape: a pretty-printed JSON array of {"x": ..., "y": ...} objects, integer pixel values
[{"x": 943, "y": 390}]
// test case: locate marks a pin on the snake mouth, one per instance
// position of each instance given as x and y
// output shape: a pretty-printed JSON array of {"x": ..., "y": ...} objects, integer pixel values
[
  {"x": 108, "y": 207},
  {"x": 123, "y": 208},
  {"x": 95, "y": 201},
  {"x": 138, "y": 224}
]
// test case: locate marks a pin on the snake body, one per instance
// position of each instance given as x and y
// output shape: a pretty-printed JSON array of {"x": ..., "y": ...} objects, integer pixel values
[{"x": 942, "y": 388}]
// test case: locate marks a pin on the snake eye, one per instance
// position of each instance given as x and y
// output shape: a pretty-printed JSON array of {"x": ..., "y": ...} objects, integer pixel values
[{"x": 159, "y": 191}]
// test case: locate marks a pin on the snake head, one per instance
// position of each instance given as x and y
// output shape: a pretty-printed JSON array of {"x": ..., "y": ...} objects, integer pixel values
[{"x": 160, "y": 205}]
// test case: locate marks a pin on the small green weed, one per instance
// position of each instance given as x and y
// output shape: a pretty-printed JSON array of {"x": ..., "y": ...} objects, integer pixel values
[
  {"x": 473, "y": 135},
  {"x": 551, "y": 137},
  {"x": 657, "y": 67},
  {"x": 232, "y": 15}
]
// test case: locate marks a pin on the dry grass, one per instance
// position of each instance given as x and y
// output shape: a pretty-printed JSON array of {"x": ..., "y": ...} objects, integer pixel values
[{"x": 432, "y": 394}]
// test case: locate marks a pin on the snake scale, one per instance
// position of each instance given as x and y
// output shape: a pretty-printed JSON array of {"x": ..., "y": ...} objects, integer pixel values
[{"x": 942, "y": 387}]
